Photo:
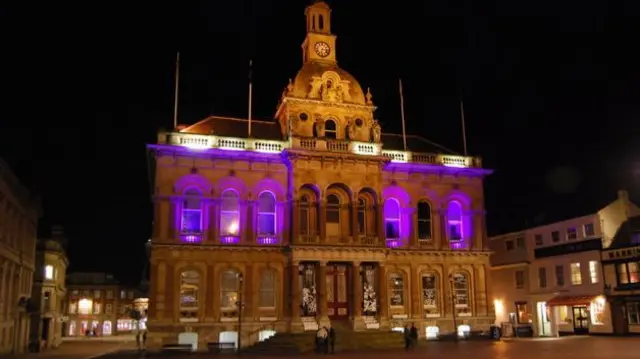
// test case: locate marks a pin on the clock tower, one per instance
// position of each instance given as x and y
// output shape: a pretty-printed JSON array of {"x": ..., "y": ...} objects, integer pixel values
[{"x": 320, "y": 43}]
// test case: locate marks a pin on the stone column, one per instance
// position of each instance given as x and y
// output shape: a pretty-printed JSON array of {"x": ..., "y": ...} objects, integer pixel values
[
  {"x": 412, "y": 214},
  {"x": 294, "y": 272},
  {"x": 383, "y": 297},
  {"x": 444, "y": 236},
  {"x": 250, "y": 230},
  {"x": 355, "y": 232},
  {"x": 323, "y": 318},
  {"x": 357, "y": 284},
  {"x": 295, "y": 222},
  {"x": 248, "y": 295},
  {"x": 212, "y": 230},
  {"x": 416, "y": 295},
  {"x": 437, "y": 231},
  {"x": 380, "y": 224},
  {"x": 322, "y": 221}
]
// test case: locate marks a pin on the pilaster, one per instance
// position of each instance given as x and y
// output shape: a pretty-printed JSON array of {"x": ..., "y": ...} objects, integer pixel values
[
  {"x": 210, "y": 309},
  {"x": 383, "y": 297},
  {"x": 295, "y": 221},
  {"x": 212, "y": 231},
  {"x": 323, "y": 220},
  {"x": 416, "y": 307},
  {"x": 173, "y": 231},
  {"x": 248, "y": 296},
  {"x": 323, "y": 318},
  {"x": 380, "y": 222},
  {"x": 250, "y": 235}
]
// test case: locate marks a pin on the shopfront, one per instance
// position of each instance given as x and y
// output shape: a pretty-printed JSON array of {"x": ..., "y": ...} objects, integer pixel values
[
  {"x": 574, "y": 315},
  {"x": 622, "y": 276}
]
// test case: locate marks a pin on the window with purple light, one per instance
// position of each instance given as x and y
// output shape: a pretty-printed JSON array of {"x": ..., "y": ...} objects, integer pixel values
[
  {"x": 392, "y": 218},
  {"x": 266, "y": 214},
  {"x": 192, "y": 212},
  {"x": 230, "y": 213},
  {"x": 454, "y": 221}
]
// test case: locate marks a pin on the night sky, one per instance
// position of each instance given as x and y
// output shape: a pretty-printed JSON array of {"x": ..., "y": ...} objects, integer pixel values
[{"x": 551, "y": 101}]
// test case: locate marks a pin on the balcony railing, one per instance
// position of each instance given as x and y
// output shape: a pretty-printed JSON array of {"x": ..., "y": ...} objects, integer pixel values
[{"x": 203, "y": 142}]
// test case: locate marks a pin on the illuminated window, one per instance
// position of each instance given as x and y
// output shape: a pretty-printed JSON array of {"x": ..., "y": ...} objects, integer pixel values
[
  {"x": 73, "y": 308},
  {"x": 268, "y": 289},
  {"x": 229, "y": 288},
  {"x": 597, "y": 311},
  {"x": 396, "y": 289},
  {"x": 392, "y": 218},
  {"x": 633, "y": 312},
  {"x": 266, "y": 214},
  {"x": 72, "y": 328},
  {"x": 628, "y": 273},
  {"x": 424, "y": 221},
  {"x": 85, "y": 306},
  {"x": 454, "y": 221},
  {"x": 305, "y": 215},
  {"x": 106, "y": 328},
  {"x": 96, "y": 308},
  {"x": 362, "y": 216},
  {"x": 565, "y": 314},
  {"x": 192, "y": 211},
  {"x": 430, "y": 294},
  {"x": 576, "y": 275},
  {"x": 523, "y": 314},
  {"x": 189, "y": 295},
  {"x": 48, "y": 272},
  {"x": 230, "y": 213},
  {"x": 593, "y": 271},
  {"x": 461, "y": 293}
]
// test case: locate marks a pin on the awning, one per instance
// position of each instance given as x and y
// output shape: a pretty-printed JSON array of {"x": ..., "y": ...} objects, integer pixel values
[{"x": 571, "y": 300}]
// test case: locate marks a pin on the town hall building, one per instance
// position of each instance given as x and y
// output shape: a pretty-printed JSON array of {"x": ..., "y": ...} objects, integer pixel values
[{"x": 314, "y": 218}]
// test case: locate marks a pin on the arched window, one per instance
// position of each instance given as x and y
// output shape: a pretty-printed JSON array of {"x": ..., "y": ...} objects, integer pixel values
[
  {"x": 230, "y": 213},
  {"x": 266, "y": 214},
  {"x": 430, "y": 294},
  {"x": 396, "y": 289},
  {"x": 454, "y": 221},
  {"x": 330, "y": 129},
  {"x": 333, "y": 216},
  {"x": 305, "y": 216},
  {"x": 362, "y": 216},
  {"x": 189, "y": 295},
  {"x": 192, "y": 211},
  {"x": 267, "y": 289},
  {"x": 424, "y": 221},
  {"x": 461, "y": 293},
  {"x": 229, "y": 289},
  {"x": 392, "y": 218}
]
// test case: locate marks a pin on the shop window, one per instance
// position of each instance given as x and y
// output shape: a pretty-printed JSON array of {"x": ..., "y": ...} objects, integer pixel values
[
  {"x": 523, "y": 314},
  {"x": 597, "y": 311},
  {"x": 396, "y": 289},
  {"x": 633, "y": 312}
]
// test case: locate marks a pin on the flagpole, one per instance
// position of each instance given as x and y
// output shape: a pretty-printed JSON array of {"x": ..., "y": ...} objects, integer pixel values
[
  {"x": 404, "y": 132},
  {"x": 175, "y": 94},
  {"x": 250, "y": 96},
  {"x": 464, "y": 129}
]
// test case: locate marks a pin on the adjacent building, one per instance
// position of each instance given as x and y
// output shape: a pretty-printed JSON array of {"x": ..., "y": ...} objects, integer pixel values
[
  {"x": 98, "y": 305},
  {"x": 19, "y": 214},
  {"x": 621, "y": 262},
  {"x": 548, "y": 280},
  {"x": 314, "y": 218},
  {"x": 49, "y": 291}
]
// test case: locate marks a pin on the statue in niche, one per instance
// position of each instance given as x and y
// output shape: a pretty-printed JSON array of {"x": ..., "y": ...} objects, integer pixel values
[
  {"x": 316, "y": 86},
  {"x": 331, "y": 92},
  {"x": 376, "y": 132},
  {"x": 319, "y": 125},
  {"x": 346, "y": 95},
  {"x": 352, "y": 131}
]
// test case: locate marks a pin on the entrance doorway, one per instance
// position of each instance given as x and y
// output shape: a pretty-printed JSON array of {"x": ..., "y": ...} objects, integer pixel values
[
  {"x": 580, "y": 320},
  {"x": 337, "y": 295},
  {"x": 544, "y": 324},
  {"x": 46, "y": 323}
]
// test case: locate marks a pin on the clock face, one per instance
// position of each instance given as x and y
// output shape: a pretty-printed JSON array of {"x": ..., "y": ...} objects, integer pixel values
[{"x": 322, "y": 49}]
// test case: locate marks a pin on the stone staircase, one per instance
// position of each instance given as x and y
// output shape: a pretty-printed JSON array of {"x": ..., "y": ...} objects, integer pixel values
[{"x": 346, "y": 340}]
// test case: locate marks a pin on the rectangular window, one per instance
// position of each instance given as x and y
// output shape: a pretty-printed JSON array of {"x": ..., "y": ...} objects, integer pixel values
[
  {"x": 48, "y": 272},
  {"x": 524, "y": 317},
  {"x": 123, "y": 294},
  {"x": 429, "y": 293},
  {"x": 266, "y": 223},
  {"x": 362, "y": 220},
  {"x": 191, "y": 221},
  {"x": 396, "y": 289},
  {"x": 560, "y": 276},
  {"x": 73, "y": 308},
  {"x": 108, "y": 309},
  {"x": 576, "y": 274},
  {"x": 509, "y": 246},
  {"x": 628, "y": 273},
  {"x": 96, "y": 294},
  {"x": 633, "y": 313},
  {"x": 455, "y": 231},
  {"x": 109, "y": 294},
  {"x": 542, "y": 277},
  {"x": 593, "y": 271},
  {"x": 589, "y": 230},
  {"x": 597, "y": 311},
  {"x": 392, "y": 228},
  {"x": 520, "y": 243},
  {"x": 96, "y": 308},
  {"x": 538, "y": 239},
  {"x": 555, "y": 236},
  {"x": 267, "y": 290},
  {"x": 572, "y": 234},
  {"x": 519, "y": 274}
]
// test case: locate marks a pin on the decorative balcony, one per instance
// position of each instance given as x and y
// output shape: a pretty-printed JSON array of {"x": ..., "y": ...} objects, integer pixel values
[{"x": 205, "y": 142}]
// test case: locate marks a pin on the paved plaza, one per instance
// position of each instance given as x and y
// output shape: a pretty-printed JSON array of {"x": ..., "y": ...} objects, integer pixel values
[{"x": 82, "y": 348}]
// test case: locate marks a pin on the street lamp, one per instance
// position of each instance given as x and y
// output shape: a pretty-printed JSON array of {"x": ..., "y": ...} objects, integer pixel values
[
  {"x": 453, "y": 307},
  {"x": 240, "y": 305}
]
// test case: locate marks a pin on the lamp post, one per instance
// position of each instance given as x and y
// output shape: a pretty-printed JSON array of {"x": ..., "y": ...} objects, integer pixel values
[
  {"x": 453, "y": 307},
  {"x": 240, "y": 305}
]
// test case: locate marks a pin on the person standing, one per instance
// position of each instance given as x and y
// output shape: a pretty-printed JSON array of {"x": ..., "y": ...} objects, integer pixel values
[
  {"x": 413, "y": 334},
  {"x": 407, "y": 337},
  {"x": 332, "y": 339}
]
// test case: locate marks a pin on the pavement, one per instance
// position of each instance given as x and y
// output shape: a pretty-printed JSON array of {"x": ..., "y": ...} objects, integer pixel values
[
  {"x": 85, "y": 348},
  {"x": 548, "y": 348}
]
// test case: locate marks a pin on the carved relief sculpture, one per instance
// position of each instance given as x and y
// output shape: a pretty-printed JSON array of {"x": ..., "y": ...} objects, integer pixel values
[
  {"x": 346, "y": 95},
  {"x": 316, "y": 86},
  {"x": 319, "y": 128},
  {"x": 376, "y": 131},
  {"x": 352, "y": 131},
  {"x": 309, "y": 294},
  {"x": 331, "y": 92},
  {"x": 369, "y": 298}
]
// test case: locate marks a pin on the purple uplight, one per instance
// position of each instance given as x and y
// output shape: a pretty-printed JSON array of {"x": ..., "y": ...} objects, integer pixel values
[
  {"x": 191, "y": 238},
  {"x": 394, "y": 243},
  {"x": 230, "y": 239},
  {"x": 268, "y": 240},
  {"x": 458, "y": 245}
]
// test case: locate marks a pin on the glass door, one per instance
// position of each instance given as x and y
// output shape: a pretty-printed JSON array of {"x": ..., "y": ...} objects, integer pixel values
[{"x": 580, "y": 320}]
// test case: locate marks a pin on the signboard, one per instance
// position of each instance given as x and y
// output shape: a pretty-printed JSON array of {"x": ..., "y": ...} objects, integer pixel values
[{"x": 622, "y": 253}]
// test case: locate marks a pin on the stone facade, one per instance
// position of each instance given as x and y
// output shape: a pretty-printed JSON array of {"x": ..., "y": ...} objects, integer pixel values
[
  {"x": 315, "y": 221},
  {"x": 18, "y": 226},
  {"x": 49, "y": 291}
]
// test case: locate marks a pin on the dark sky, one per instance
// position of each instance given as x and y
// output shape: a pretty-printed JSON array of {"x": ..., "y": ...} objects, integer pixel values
[{"x": 551, "y": 100}]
